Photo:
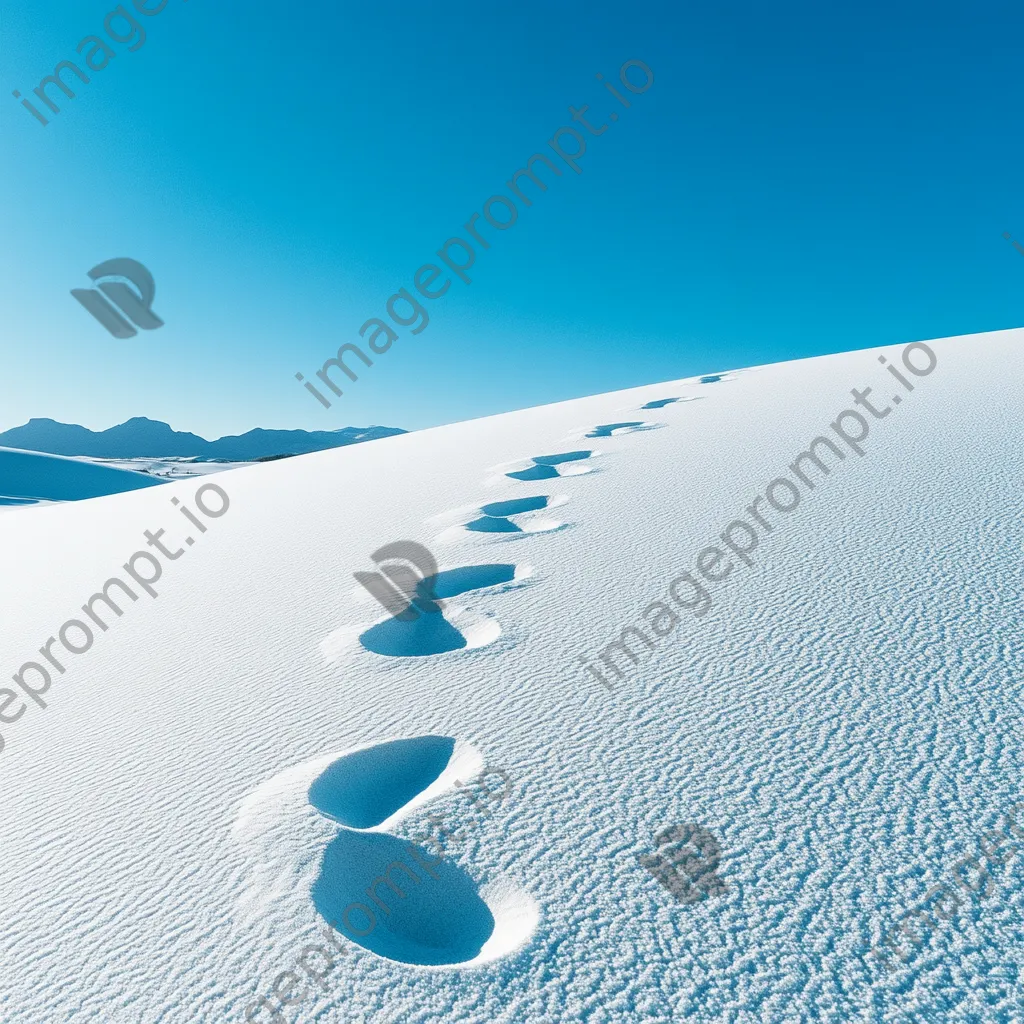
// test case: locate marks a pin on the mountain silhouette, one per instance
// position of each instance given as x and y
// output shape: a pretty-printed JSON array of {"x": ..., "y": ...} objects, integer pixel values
[{"x": 145, "y": 438}]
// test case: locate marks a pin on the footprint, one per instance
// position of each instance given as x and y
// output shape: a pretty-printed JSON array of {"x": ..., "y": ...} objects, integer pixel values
[
  {"x": 497, "y": 516},
  {"x": 454, "y": 628},
  {"x": 495, "y": 519},
  {"x": 365, "y": 788},
  {"x": 659, "y": 403},
  {"x": 493, "y": 524},
  {"x": 543, "y": 467},
  {"x": 609, "y": 429},
  {"x": 395, "y": 898}
]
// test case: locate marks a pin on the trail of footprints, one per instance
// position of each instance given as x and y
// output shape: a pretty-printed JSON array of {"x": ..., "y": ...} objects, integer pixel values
[
  {"x": 459, "y": 627},
  {"x": 449, "y": 921},
  {"x": 441, "y": 917}
]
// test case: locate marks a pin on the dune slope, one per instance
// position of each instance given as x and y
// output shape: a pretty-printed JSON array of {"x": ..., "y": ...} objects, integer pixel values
[{"x": 217, "y": 778}]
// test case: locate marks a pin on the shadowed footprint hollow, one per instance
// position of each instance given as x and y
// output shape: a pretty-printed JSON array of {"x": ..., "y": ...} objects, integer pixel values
[
  {"x": 366, "y": 787},
  {"x": 392, "y": 897},
  {"x": 433, "y": 633},
  {"x": 495, "y": 515},
  {"x": 544, "y": 465},
  {"x": 607, "y": 429}
]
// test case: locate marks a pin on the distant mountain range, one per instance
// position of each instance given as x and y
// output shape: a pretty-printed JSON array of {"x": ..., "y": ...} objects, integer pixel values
[{"x": 144, "y": 438}]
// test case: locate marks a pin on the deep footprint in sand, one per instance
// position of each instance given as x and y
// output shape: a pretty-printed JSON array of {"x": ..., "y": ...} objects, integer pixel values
[
  {"x": 395, "y": 898},
  {"x": 614, "y": 429},
  {"x": 453, "y": 629},
  {"x": 545, "y": 466},
  {"x": 498, "y": 515},
  {"x": 363, "y": 789}
]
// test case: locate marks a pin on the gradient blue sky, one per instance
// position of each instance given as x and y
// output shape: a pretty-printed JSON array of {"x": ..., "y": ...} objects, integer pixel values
[{"x": 799, "y": 180}]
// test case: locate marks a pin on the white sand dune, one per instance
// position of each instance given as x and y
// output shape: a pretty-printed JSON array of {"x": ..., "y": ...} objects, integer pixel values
[
  {"x": 30, "y": 478},
  {"x": 217, "y": 775}
]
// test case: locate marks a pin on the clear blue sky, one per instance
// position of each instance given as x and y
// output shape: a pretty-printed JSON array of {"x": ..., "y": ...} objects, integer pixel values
[{"x": 798, "y": 180}]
